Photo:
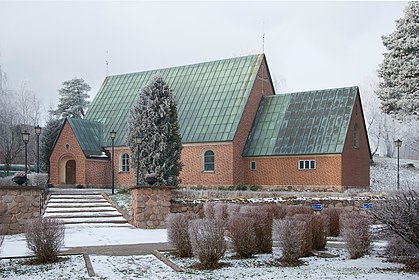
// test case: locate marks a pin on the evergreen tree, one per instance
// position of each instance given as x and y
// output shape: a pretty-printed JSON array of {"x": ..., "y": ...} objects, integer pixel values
[
  {"x": 399, "y": 72},
  {"x": 73, "y": 101},
  {"x": 154, "y": 118},
  {"x": 46, "y": 141}
]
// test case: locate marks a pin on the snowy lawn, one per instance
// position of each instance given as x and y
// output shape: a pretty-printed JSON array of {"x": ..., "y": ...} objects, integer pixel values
[
  {"x": 260, "y": 267},
  {"x": 78, "y": 236}
]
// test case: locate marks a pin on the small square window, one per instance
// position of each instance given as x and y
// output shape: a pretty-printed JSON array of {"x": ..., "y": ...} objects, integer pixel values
[
  {"x": 252, "y": 165},
  {"x": 306, "y": 164}
]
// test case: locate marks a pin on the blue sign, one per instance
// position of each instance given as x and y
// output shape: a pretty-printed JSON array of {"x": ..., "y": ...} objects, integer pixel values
[
  {"x": 317, "y": 206},
  {"x": 367, "y": 205}
]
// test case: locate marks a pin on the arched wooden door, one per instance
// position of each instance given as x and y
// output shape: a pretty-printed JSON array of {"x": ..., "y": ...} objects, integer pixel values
[{"x": 70, "y": 172}]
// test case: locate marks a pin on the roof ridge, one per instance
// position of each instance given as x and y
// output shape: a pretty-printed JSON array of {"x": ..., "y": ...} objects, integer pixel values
[
  {"x": 184, "y": 65},
  {"x": 315, "y": 90}
]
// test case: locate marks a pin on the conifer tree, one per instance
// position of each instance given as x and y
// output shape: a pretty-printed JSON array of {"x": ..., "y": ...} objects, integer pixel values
[
  {"x": 154, "y": 119},
  {"x": 73, "y": 101},
  {"x": 47, "y": 140},
  {"x": 399, "y": 72}
]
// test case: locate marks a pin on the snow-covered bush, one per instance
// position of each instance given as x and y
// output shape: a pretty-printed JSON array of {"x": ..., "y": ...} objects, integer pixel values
[
  {"x": 45, "y": 238},
  {"x": 307, "y": 231},
  {"x": 319, "y": 232},
  {"x": 207, "y": 240},
  {"x": 355, "y": 233},
  {"x": 298, "y": 209},
  {"x": 262, "y": 217},
  {"x": 400, "y": 251},
  {"x": 400, "y": 213},
  {"x": 6, "y": 181},
  {"x": 242, "y": 234},
  {"x": 38, "y": 179},
  {"x": 290, "y": 233},
  {"x": 333, "y": 215},
  {"x": 177, "y": 232}
]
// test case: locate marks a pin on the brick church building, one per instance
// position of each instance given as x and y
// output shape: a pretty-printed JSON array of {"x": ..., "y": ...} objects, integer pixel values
[{"x": 235, "y": 131}]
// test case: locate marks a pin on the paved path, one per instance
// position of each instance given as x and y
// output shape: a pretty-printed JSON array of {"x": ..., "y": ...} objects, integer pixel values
[{"x": 120, "y": 250}]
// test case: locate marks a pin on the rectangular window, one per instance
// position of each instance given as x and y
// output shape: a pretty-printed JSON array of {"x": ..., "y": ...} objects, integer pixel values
[
  {"x": 307, "y": 164},
  {"x": 252, "y": 165}
]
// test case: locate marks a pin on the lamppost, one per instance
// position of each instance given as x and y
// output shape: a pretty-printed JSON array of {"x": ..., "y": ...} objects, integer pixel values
[
  {"x": 113, "y": 135},
  {"x": 138, "y": 141},
  {"x": 398, "y": 144},
  {"x": 37, "y": 132},
  {"x": 25, "y": 138}
]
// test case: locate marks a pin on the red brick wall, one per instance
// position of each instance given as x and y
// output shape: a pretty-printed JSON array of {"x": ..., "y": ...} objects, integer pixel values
[
  {"x": 123, "y": 179},
  {"x": 98, "y": 172},
  {"x": 356, "y": 161},
  {"x": 61, "y": 154},
  {"x": 283, "y": 171},
  {"x": 192, "y": 158},
  {"x": 261, "y": 87}
]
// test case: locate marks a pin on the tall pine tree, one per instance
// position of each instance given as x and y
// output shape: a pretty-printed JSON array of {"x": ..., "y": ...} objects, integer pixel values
[
  {"x": 154, "y": 118},
  {"x": 73, "y": 101},
  {"x": 399, "y": 72}
]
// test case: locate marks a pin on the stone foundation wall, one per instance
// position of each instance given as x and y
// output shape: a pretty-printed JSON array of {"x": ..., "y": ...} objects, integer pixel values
[
  {"x": 18, "y": 204},
  {"x": 150, "y": 206},
  {"x": 356, "y": 204}
]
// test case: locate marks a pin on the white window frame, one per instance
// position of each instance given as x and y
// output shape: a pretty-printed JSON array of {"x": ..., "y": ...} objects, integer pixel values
[
  {"x": 205, "y": 163},
  {"x": 307, "y": 164},
  {"x": 252, "y": 165},
  {"x": 124, "y": 166}
]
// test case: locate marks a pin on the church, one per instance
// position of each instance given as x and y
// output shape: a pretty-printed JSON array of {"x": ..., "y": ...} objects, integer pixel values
[{"x": 235, "y": 131}]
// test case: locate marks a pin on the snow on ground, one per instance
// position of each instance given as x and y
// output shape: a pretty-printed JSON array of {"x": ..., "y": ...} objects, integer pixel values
[
  {"x": 261, "y": 268},
  {"x": 78, "y": 236},
  {"x": 384, "y": 174}
]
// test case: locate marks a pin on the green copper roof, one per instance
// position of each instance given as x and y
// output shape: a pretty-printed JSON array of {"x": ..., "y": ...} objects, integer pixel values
[
  {"x": 313, "y": 122},
  {"x": 89, "y": 136},
  {"x": 210, "y": 98}
]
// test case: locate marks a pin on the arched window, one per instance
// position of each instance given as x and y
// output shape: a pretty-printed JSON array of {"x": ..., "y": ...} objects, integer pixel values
[
  {"x": 356, "y": 136},
  {"x": 124, "y": 163},
  {"x": 209, "y": 161}
]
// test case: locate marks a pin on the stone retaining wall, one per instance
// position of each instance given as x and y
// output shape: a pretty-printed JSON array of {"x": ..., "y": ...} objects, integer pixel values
[
  {"x": 353, "y": 204},
  {"x": 150, "y": 206},
  {"x": 18, "y": 204}
]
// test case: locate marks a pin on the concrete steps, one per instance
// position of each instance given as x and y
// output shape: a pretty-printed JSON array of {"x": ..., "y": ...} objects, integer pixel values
[{"x": 84, "y": 207}]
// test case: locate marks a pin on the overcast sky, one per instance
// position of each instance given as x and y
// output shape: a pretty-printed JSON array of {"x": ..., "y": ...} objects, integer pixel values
[{"x": 309, "y": 45}]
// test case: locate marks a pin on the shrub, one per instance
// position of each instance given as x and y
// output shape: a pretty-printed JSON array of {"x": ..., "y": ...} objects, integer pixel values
[
  {"x": 319, "y": 232},
  {"x": 233, "y": 209},
  {"x": 307, "y": 231},
  {"x": 290, "y": 235},
  {"x": 1, "y": 235},
  {"x": 177, "y": 232},
  {"x": 278, "y": 211},
  {"x": 333, "y": 215},
  {"x": 400, "y": 251},
  {"x": 262, "y": 217},
  {"x": 298, "y": 209},
  {"x": 355, "y": 233},
  {"x": 45, "y": 238},
  {"x": 241, "y": 232},
  {"x": 207, "y": 240},
  {"x": 400, "y": 213},
  {"x": 209, "y": 212}
]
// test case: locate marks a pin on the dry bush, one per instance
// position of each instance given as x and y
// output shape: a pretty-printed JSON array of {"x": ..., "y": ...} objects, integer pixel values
[
  {"x": 298, "y": 209},
  {"x": 290, "y": 233},
  {"x": 278, "y": 211},
  {"x": 307, "y": 243},
  {"x": 355, "y": 233},
  {"x": 1, "y": 235},
  {"x": 262, "y": 217},
  {"x": 177, "y": 232},
  {"x": 400, "y": 213},
  {"x": 400, "y": 251},
  {"x": 333, "y": 215},
  {"x": 45, "y": 238},
  {"x": 241, "y": 232},
  {"x": 233, "y": 208},
  {"x": 221, "y": 210},
  {"x": 207, "y": 240},
  {"x": 209, "y": 211},
  {"x": 319, "y": 232}
]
